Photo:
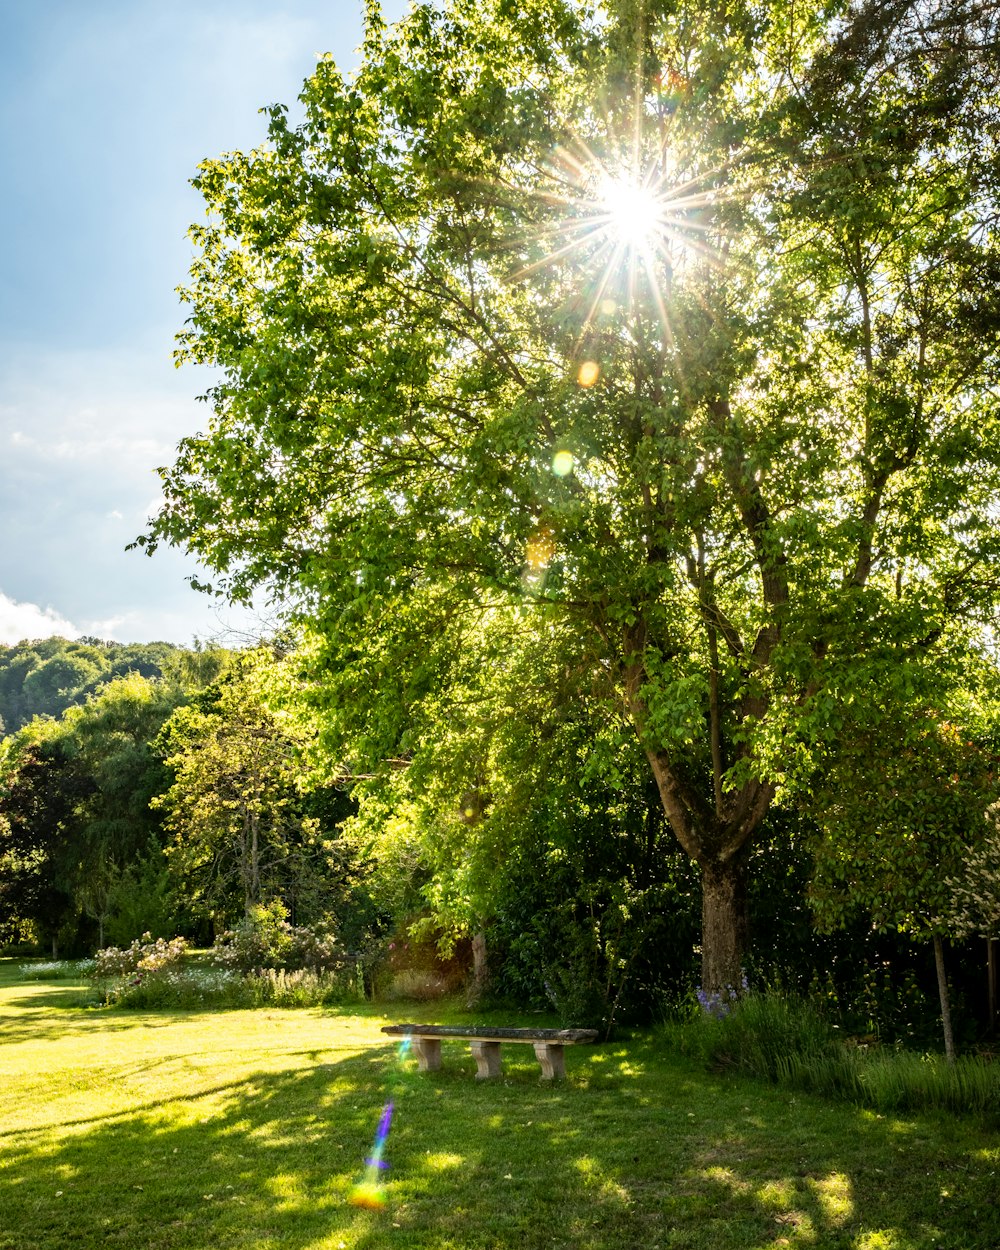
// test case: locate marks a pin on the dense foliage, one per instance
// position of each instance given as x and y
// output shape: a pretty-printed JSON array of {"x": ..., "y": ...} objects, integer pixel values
[
  {"x": 673, "y": 326},
  {"x": 49, "y": 675},
  {"x": 609, "y": 392}
]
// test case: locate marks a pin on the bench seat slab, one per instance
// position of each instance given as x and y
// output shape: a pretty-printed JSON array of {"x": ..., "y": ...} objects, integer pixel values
[{"x": 566, "y": 1037}]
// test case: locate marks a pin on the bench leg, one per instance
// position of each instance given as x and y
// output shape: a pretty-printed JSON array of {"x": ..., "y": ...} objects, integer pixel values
[
  {"x": 428, "y": 1052},
  {"x": 487, "y": 1057},
  {"x": 552, "y": 1059}
]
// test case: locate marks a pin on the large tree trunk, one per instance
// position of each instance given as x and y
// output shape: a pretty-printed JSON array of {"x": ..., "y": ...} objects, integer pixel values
[
  {"x": 718, "y": 844},
  {"x": 725, "y": 925}
]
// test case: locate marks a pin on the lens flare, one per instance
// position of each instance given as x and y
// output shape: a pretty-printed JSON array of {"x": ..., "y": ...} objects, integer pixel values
[
  {"x": 369, "y": 1197},
  {"x": 540, "y": 549},
  {"x": 562, "y": 463},
  {"x": 588, "y": 373},
  {"x": 367, "y": 1192},
  {"x": 630, "y": 214}
]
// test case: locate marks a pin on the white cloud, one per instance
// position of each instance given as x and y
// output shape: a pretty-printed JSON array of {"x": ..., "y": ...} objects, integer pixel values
[{"x": 27, "y": 620}]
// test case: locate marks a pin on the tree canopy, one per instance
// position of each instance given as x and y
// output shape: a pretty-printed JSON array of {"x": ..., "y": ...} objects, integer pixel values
[
  {"x": 675, "y": 324},
  {"x": 46, "y": 676}
]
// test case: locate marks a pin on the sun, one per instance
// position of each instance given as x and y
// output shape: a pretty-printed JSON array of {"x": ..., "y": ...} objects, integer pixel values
[
  {"x": 632, "y": 227},
  {"x": 634, "y": 212}
]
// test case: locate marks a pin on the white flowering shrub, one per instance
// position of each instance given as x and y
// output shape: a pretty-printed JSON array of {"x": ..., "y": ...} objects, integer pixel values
[
  {"x": 263, "y": 961},
  {"x": 174, "y": 986},
  {"x": 264, "y": 939},
  {"x": 144, "y": 956}
]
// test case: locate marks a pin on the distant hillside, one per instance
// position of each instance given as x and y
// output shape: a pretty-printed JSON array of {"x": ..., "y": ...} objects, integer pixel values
[{"x": 45, "y": 677}]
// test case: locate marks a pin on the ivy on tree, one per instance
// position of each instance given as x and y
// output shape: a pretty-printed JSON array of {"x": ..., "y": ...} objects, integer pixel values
[{"x": 675, "y": 323}]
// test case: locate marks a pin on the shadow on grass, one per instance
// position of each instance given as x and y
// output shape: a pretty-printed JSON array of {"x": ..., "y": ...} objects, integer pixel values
[
  {"x": 633, "y": 1150},
  {"x": 31, "y": 1020}
]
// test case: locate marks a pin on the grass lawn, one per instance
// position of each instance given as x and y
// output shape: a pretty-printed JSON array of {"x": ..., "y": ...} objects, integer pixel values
[{"x": 249, "y": 1129}]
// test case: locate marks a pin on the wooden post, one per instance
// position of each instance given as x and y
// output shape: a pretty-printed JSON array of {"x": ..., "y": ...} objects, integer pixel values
[{"x": 487, "y": 1057}]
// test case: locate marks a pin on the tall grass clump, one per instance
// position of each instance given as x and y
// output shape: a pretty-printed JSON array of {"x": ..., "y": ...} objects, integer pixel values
[
  {"x": 758, "y": 1034},
  {"x": 786, "y": 1041},
  {"x": 303, "y": 987},
  {"x": 906, "y": 1081}
]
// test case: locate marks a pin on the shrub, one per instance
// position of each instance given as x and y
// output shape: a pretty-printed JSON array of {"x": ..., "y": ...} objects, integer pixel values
[
  {"x": 149, "y": 974},
  {"x": 144, "y": 956},
  {"x": 264, "y": 939},
  {"x": 194, "y": 988},
  {"x": 173, "y": 986}
]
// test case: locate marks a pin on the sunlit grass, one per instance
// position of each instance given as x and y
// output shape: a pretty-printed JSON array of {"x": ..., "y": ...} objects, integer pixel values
[{"x": 251, "y": 1129}]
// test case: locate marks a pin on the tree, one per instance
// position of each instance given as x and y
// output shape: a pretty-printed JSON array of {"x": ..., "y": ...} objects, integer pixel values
[
  {"x": 40, "y": 787},
  {"x": 74, "y": 797},
  {"x": 116, "y": 835},
  {"x": 514, "y": 808},
  {"x": 241, "y": 832},
  {"x": 675, "y": 324},
  {"x": 899, "y": 810}
]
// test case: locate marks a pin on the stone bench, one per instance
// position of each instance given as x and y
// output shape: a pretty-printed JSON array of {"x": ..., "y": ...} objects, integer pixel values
[{"x": 549, "y": 1045}]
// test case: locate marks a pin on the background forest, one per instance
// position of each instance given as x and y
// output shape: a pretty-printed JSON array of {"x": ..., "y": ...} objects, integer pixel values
[{"x": 168, "y": 792}]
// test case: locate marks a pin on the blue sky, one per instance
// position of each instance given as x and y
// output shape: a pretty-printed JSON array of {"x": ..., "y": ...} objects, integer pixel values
[{"x": 107, "y": 106}]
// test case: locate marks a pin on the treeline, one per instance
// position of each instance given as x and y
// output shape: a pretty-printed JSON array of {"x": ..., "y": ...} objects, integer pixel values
[{"x": 49, "y": 675}]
